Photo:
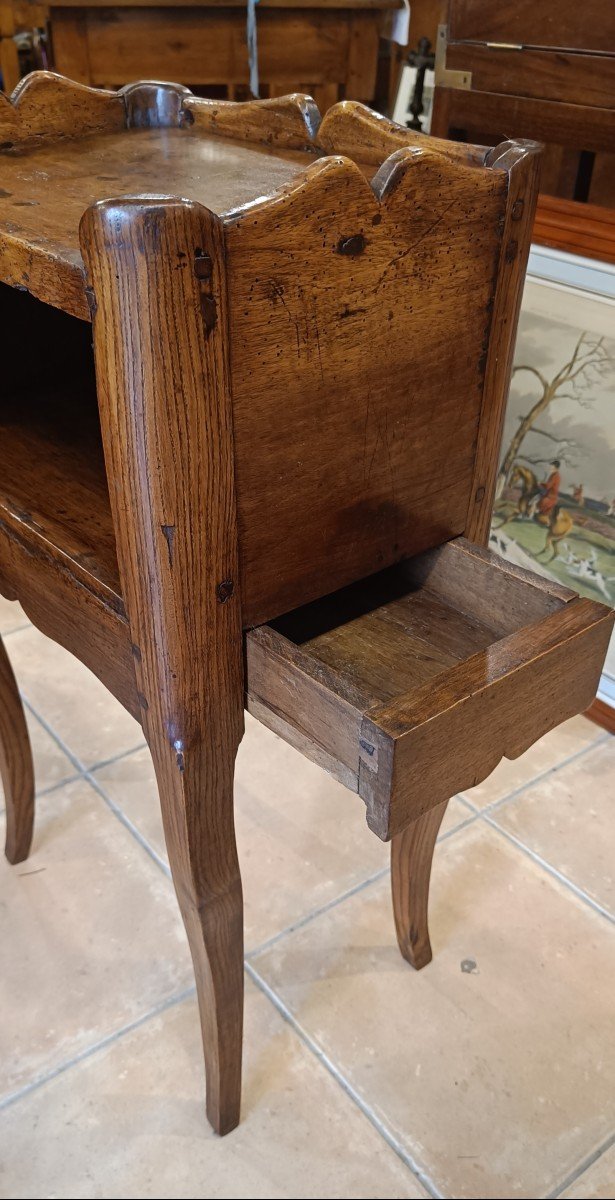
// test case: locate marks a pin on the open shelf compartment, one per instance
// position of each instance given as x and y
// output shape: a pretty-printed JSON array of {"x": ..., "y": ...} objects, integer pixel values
[{"x": 412, "y": 685}]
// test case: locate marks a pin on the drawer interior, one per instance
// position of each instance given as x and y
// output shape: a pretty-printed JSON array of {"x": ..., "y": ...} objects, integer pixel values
[{"x": 372, "y": 680}]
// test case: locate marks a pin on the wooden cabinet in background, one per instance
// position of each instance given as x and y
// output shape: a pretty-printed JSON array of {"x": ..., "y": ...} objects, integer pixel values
[
  {"x": 329, "y": 50},
  {"x": 532, "y": 70}
]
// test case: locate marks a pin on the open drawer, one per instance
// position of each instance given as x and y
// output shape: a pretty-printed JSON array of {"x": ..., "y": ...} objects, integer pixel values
[{"x": 412, "y": 685}]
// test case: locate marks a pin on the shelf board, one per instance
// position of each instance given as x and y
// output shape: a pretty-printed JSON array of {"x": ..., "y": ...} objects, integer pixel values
[
  {"x": 54, "y": 499},
  {"x": 45, "y": 191}
]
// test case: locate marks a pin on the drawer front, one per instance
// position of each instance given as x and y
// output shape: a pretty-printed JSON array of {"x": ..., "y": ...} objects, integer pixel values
[{"x": 412, "y": 686}]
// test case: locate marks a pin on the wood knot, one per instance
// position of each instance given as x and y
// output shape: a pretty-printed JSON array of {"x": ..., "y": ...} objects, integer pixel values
[
  {"x": 225, "y": 590},
  {"x": 351, "y": 245},
  {"x": 517, "y": 210}
]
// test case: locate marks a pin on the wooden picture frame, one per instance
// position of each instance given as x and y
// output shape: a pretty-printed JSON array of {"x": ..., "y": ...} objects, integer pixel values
[{"x": 570, "y": 243}]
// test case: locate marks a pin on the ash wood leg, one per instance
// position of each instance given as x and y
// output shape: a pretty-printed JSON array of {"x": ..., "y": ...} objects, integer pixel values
[
  {"x": 411, "y": 858},
  {"x": 16, "y": 767},
  {"x": 156, "y": 267},
  {"x": 197, "y": 810}
]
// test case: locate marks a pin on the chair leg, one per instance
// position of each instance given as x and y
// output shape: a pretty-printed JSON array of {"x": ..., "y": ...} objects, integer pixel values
[
  {"x": 196, "y": 795},
  {"x": 16, "y": 767},
  {"x": 411, "y": 859}
]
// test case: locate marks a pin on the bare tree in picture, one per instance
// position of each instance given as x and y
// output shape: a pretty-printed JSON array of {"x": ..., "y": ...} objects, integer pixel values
[{"x": 589, "y": 363}]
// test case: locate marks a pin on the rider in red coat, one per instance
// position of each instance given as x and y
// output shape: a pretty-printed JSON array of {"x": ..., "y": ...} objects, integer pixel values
[{"x": 550, "y": 490}]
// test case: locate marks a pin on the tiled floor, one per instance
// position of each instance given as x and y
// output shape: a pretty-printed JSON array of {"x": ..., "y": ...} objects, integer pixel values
[{"x": 490, "y": 1073}]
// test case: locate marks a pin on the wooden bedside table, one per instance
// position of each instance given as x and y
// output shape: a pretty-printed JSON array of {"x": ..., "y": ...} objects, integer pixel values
[{"x": 273, "y": 479}]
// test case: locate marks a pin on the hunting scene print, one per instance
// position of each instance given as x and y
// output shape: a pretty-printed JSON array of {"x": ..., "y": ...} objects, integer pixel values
[{"x": 555, "y": 499}]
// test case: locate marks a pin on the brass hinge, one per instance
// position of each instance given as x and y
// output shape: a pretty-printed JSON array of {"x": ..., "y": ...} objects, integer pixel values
[{"x": 443, "y": 77}]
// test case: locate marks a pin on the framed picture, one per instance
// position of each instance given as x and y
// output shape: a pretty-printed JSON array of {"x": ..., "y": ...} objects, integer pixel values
[{"x": 555, "y": 502}]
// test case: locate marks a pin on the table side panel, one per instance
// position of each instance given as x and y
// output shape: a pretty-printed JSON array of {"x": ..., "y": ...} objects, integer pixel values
[{"x": 358, "y": 333}]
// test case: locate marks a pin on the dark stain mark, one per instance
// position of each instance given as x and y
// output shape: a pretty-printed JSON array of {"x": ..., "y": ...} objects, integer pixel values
[
  {"x": 203, "y": 265},
  {"x": 376, "y": 219},
  {"x": 479, "y": 494},
  {"x": 369, "y": 749},
  {"x": 225, "y": 590},
  {"x": 512, "y": 250},
  {"x": 6, "y": 145},
  {"x": 4, "y": 193},
  {"x": 352, "y": 245},
  {"x": 169, "y": 533},
  {"x": 469, "y": 966},
  {"x": 142, "y": 701},
  {"x": 351, "y": 312},
  {"x": 136, "y": 652},
  {"x": 209, "y": 311},
  {"x": 91, "y": 300},
  {"x": 203, "y": 269},
  {"x": 517, "y": 210}
]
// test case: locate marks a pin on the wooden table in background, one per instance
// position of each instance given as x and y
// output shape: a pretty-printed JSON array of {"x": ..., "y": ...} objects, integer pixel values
[{"x": 327, "y": 49}]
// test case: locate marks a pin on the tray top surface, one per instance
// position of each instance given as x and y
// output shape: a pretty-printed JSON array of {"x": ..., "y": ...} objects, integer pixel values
[{"x": 44, "y": 191}]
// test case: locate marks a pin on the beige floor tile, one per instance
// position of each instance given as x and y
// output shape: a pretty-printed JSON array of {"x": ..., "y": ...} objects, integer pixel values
[
  {"x": 90, "y": 935},
  {"x": 12, "y": 616},
  {"x": 88, "y": 719},
  {"x": 51, "y": 765},
  {"x": 597, "y": 1182},
  {"x": 497, "y": 1078},
  {"x": 129, "y": 1121},
  {"x": 568, "y": 819},
  {"x": 302, "y": 836},
  {"x": 552, "y": 749}
]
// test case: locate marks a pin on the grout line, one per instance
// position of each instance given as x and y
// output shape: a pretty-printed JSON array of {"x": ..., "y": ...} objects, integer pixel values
[
  {"x": 85, "y": 773},
  {"x": 77, "y": 763},
  {"x": 523, "y": 787},
  {"x": 110, "y": 762},
  {"x": 344, "y": 1083},
  {"x": 52, "y": 733},
  {"x": 317, "y": 912},
  {"x": 550, "y": 869},
  {"x": 582, "y": 1168},
  {"x": 86, "y": 1053},
  {"x": 127, "y": 823},
  {"x": 310, "y": 916},
  {"x": 17, "y": 629}
]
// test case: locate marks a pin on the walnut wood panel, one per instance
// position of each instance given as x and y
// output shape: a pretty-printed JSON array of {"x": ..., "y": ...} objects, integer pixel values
[
  {"x": 578, "y": 78},
  {"x": 497, "y": 115},
  {"x": 586, "y": 229},
  {"x": 561, "y": 25},
  {"x": 336, "y": 416}
]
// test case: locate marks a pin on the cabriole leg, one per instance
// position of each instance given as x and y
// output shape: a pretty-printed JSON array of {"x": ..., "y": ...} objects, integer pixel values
[
  {"x": 16, "y": 766},
  {"x": 411, "y": 858},
  {"x": 157, "y": 272}
]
